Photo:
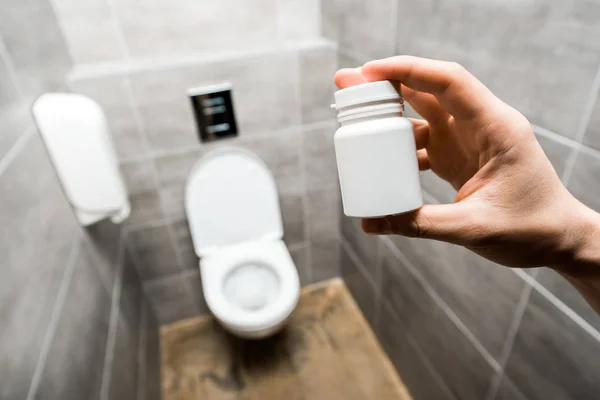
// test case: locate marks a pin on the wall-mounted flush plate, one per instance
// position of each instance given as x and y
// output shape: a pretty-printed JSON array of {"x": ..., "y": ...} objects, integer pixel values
[{"x": 213, "y": 108}]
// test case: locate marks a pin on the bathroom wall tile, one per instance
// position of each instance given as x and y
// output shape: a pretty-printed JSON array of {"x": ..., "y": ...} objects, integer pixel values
[
  {"x": 302, "y": 262},
  {"x": 143, "y": 193},
  {"x": 508, "y": 391},
  {"x": 132, "y": 295},
  {"x": 567, "y": 293},
  {"x": 14, "y": 111},
  {"x": 556, "y": 152},
  {"x": 156, "y": 27},
  {"x": 416, "y": 371},
  {"x": 184, "y": 244},
  {"x": 592, "y": 134},
  {"x": 461, "y": 367},
  {"x": 292, "y": 213},
  {"x": 112, "y": 94},
  {"x": 173, "y": 171},
  {"x": 551, "y": 356},
  {"x": 90, "y": 30},
  {"x": 325, "y": 258},
  {"x": 365, "y": 246},
  {"x": 441, "y": 190},
  {"x": 173, "y": 298},
  {"x": 319, "y": 156},
  {"x": 265, "y": 95},
  {"x": 103, "y": 241},
  {"x": 34, "y": 42},
  {"x": 37, "y": 235},
  {"x": 360, "y": 285},
  {"x": 585, "y": 179},
  {"x": 76, "y": 356},
  {"x": 318, "y": 64},
  {"x": 152, "y": 389},
  {"x": 324, "y": 214},
  {"x": 349, "y": 59},
  {"x": 299, "y": 19},
  {"x": 123, "y": 378},
  {"x": 482, "y": 294},
  {"x": 512, "y": 41},
  {"x": 155, "y": 255},
  {"x": 362, "y": 28}
]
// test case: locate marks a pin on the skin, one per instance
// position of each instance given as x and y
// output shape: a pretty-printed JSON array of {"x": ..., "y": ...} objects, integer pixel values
[{"x": 511, "y": 206}]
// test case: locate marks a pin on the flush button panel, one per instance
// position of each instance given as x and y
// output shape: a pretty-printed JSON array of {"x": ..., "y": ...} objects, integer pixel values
[{"x": 213, "y": 108}]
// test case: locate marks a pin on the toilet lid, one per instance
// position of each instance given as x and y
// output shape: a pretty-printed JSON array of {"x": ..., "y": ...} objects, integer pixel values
[{"x": 230, "y": 198}]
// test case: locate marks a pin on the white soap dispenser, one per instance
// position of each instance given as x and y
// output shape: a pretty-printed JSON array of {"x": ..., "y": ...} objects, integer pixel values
[{"x": 376, "y": 152}]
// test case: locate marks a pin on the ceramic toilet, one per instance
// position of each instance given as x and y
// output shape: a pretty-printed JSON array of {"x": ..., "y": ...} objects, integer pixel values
[{"x": 249, "y": 279}]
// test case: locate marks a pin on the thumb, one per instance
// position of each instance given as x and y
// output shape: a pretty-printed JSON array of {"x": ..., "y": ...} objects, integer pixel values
[{"x": 452, "y": 223}]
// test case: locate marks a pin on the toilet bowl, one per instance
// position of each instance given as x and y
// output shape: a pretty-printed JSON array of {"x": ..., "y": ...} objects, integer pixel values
[{"x": 249, "y": 279}]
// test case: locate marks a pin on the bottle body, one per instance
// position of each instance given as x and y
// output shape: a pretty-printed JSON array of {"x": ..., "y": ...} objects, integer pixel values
[{"x": 378, "y": 167}]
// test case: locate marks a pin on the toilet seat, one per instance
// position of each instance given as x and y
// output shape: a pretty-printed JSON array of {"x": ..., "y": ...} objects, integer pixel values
[{"x": 218, "y": 266}]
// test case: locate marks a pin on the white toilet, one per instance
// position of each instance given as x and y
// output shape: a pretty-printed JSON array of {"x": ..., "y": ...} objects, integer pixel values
[{"x": 249, "y": 279}]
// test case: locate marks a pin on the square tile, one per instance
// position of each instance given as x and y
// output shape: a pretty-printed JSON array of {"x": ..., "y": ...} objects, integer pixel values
[
  {"x": 460, "y": 366},
  {"x": 14, "y": 111},
  {"x": 585, "y": 179},
  {"x": 124, "y": 367},
  {"x": 508, "y": 43},
  {"x": 365, "y": 246},
  {"x": 33, "y": 40},
  {"x": 154, "y": 253},
  {"x": 301, "y": 261},
  {"x": 413, "y": 367},
  {"x": 592, "y": 134},
  {"x": 299, "y": 19},
  {"x": 349, "y": 59},
  {"x": 132, "y": 295},
  {"x": 361, "y": 287},
  {"x": 325, "y": 259},
  {"x": 37, "y": 236},
  {"x": 508, "y": 391},
  {"x": 184, "y": 244},
  {"x": 551, "y": 356},
  {"x": 324, "y": 214},
  {"x": 90, "y": 30},
  {"x": 319, "y": 156},
  {"x": 567, "y": 293},
  {"x": 365, "y": 29},
  {"x": 103, "y": 240},
  {"x": 172, "y": 299},
  {"x": 556, "y": 152},
  {"x": 318, "y": 64},
  {"x": 76, "y": 357},
  {"x": 143, "y": 192},
  {"x": 112, "y": 93},
  {"x": 292, "y": 213},
  {"x": 156, "y": 27},
  {"x": 482, "y": 294},
  {"x": 152, "y": 387},
  {"x": 173, "y": 171}
]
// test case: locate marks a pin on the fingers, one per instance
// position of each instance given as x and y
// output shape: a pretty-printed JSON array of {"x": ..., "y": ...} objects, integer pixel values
[
  {"x": 421, "y": 129},
  {"x": 452, "y": 223},
  {"x": 457, "y": 91},
  {"x": 426, "y": 105},
  {"x": 423, "y": 159},
  {"x": 347, "y": 77}
]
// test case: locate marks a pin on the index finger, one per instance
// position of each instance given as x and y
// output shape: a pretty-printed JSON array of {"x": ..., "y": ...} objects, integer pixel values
[{"x": 457, "y": 91}]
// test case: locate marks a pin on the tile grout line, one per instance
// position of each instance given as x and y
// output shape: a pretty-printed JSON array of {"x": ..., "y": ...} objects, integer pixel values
[
  {"x": 582, "y": 128},
  {"x": 112, "y": 330},
  {"x": 61, "y": 28},
  {"x": 143, "y": 337},
  {"x": 510, "y": 340},
  {"x": 378, "y": 281},
  {"x": 583, "y": 324},
  {"x": 16, "y": 148},
  {"x": 361, "y": 266},
  {"x": 443, "y": 306},
  {"x": 54, "y": 319}
]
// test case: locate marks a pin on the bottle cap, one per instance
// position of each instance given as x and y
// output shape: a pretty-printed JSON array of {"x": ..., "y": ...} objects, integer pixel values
[{"x": 366, "y": 93}]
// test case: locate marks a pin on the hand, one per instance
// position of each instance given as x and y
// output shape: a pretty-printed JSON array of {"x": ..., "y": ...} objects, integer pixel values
[{"x": 511, "y": 207}]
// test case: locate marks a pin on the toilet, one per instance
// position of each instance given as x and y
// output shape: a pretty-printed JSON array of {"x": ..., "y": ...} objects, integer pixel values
[{"x": 249, "y": 279}]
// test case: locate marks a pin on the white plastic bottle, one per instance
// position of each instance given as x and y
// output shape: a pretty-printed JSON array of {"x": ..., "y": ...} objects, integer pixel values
[{"x": 376, "y": 152}]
